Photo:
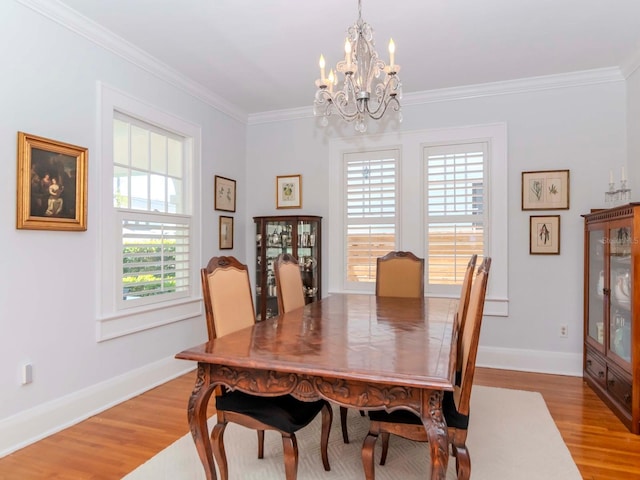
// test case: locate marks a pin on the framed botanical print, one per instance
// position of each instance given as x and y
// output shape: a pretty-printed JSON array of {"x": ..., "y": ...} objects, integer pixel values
[
  {"x": 225, "y": 194},
  {"x": 289, "y": 191},
  {"x": 544, "y": 235},
  {"x": 52, "y": 184},
  {"x": 545, "y": 190},
  {"x": 226, "y": 233}
]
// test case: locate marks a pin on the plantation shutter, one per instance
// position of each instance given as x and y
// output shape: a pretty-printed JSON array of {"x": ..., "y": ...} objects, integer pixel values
[
  {"x": 371, "y": 211},
  {"x": 155, "y": 257},
  {"x": 455, "y": 210}
]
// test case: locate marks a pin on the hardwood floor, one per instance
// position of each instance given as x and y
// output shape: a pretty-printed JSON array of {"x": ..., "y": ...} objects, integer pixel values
[{"x": 111, "y": 444}]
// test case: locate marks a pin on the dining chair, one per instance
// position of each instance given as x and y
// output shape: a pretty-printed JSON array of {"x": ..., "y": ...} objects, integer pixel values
[
  {"x": 229, "y": 307},
  {"x": 455, "y": 404},
  {"x": 289, "y": 288},
  {"x": 400, "y": 274},
  {"x": 463, "y": 303}
]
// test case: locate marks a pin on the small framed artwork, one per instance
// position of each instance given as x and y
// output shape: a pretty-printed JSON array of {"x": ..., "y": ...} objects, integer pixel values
[
  {"x": 545, "y": 190},
  {"x": 225, "y": 189},
  {"x": 226, "y": 233},
  {"x": 289, "y": 191},
  {"x": 52, "y": 184},
  {"x": 544, "y": 235}
]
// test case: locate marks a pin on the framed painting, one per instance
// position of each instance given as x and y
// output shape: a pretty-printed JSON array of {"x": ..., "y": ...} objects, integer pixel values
[
  {"x": 544, "y": 235},
  {"x": 289, "y": 191},
  {"x": 545, "y": 190},
  {"x": 225, "y": 196},
  {"x": 52, "y": 184},
  {"x": 226, "y": 233}
]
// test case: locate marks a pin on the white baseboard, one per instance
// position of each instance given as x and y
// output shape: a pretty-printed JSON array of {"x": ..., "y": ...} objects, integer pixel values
[
  {"x": 39, "y": 422},
  {"x": 538, "y": 361}
]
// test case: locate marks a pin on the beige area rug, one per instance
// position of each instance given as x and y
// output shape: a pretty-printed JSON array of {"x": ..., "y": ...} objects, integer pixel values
[{"x": 511, "y": 437}]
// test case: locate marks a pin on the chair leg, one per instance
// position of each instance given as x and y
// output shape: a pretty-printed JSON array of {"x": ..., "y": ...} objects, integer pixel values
[
  {"x": 327, "y": 419},
  {"x": 459, "y": 450},
  {"x": 217, "y": 444},
  {"x": 343, "y": 423},
  {"x": 260, "y": 443},
  {"x": 367, "y": 456},
  {"x": 290, "y": 446},
  {"x": 385, "y": 447}
]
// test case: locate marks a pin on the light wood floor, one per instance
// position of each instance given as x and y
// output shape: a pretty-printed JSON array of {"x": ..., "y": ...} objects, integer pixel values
[{"x": 111, "y": 444}]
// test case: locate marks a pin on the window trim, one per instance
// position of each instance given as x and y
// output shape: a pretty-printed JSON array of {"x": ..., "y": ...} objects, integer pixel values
[
  {"x": 410, "y": 185},
  {"x": 113, "y": 321}
]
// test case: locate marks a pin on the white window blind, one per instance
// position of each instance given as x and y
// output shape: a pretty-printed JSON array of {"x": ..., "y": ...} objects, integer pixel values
[
  {"x": 371, "y": 211},
  {"x": 456, "y": 222},
  {"x": 148, "y": 179}
]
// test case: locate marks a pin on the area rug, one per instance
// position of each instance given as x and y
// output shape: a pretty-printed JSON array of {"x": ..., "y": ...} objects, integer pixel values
[{"x": 511, "y": 436}]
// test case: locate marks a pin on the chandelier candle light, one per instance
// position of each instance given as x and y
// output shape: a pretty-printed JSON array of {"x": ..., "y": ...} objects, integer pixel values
[{"x": 363, "y": 92}]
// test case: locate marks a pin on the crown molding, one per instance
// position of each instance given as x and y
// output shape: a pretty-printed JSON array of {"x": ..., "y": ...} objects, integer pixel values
[
  {"x": 83, "y": 26},
  {"x": 523, "y": 85},
  {"x": 532, "y": 84},
  {"x": 106, "y": 39}
]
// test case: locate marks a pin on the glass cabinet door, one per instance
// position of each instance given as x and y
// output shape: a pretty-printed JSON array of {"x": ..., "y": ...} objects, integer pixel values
[
  {"x": 278, "y": 239},
  {"x": 596, "y": 285},
  {"x": 308, "y": 240},
  {"x": 620, "y": 292}
]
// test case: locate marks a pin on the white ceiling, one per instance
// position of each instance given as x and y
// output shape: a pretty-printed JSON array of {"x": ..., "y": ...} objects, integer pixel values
[{"x": 262, "y": 55}]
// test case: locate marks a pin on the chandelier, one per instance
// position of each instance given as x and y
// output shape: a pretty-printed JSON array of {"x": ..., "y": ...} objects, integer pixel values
[{"x": 368, "y": 88}]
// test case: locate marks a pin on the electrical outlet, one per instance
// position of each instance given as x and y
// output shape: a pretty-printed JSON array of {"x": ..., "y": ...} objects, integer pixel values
[{"x": 564, "y": 331}]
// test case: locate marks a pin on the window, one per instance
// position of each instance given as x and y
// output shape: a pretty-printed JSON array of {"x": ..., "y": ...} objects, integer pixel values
[
  {"x": 439, "y": 193},
  {"x": 150, "y": 232},
  {"x": 148, "y": 169},
  {"x": 455, "y": 211},
  {"x": 371, "y": 213}
]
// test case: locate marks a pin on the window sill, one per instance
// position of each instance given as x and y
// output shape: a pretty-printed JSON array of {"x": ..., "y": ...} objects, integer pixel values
[{"x": 131, "y": 321}]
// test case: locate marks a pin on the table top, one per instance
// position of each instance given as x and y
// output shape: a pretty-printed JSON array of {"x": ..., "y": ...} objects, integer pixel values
[{"x": 399, "y": 341}]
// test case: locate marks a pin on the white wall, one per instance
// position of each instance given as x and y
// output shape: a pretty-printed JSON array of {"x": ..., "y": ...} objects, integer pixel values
[
  {"x": 49, "y": 286},
  {"x": 580, "y": 128},
  {"x": 633, "y": 127}
]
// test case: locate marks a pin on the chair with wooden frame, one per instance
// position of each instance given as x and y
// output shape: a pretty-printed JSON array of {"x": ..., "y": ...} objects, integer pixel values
[
  {"x": 229, "y": 307},
  {"x": 398, "y": 274},
  {"x": 289, "y": 288},
  {"x": 463, "y": 304},
  {"x": 455, "y": 405}
]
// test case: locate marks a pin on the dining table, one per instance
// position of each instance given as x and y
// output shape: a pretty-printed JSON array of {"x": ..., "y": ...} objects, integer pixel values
[{"x": 354, "y": 350}]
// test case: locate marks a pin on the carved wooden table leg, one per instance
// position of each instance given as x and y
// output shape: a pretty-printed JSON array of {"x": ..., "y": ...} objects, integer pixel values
[
  {"x": 197, "y": 415},
  {"x": 437, "y": 433}
]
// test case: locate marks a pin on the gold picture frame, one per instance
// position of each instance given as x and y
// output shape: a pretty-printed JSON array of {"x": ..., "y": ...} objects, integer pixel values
[
  {"x": 52, "y": 184},
  {"x": 289, "y": 191},
  {"x": 225, "y": 194},
  {"x": 545, "y": 190},
  {"x": 226, "y": 232},
  {"x": 544, "y": 235}
]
